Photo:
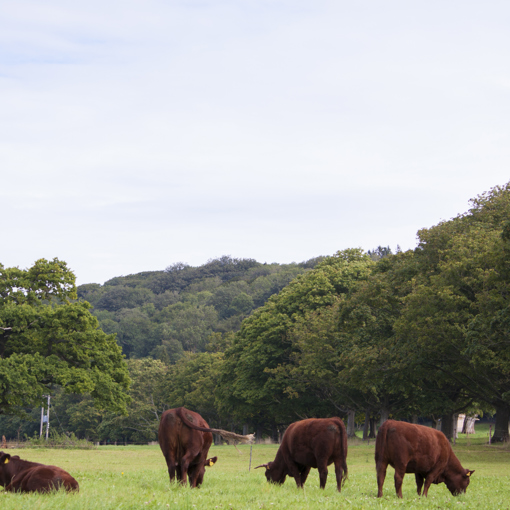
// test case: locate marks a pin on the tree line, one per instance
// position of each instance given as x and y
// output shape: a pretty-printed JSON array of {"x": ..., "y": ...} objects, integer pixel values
[{"x": 421, "y": 333}]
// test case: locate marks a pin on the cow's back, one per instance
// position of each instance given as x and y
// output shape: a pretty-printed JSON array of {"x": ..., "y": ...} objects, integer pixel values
[
  {"x": 48, "y": 478},
  {"x": 43, "y": 478}
]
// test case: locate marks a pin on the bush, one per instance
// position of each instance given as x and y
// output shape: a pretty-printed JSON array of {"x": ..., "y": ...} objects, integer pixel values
[{"x": 56, "y": 440}]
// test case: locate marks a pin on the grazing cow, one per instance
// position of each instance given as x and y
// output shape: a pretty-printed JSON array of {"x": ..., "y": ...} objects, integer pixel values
[
  {"x": 18, "y": 475},
  {"x": 424, "y": 451},
  {"x": 185, "y": 448},
  {"x": 306, "y": 444}
]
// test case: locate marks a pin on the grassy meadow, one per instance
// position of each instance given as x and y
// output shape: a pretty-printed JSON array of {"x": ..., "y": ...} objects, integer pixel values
[{"x": 119, "y": 477}]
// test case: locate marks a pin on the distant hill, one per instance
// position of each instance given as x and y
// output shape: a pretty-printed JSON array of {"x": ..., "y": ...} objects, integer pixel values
[{"x": 161, "y": 314}]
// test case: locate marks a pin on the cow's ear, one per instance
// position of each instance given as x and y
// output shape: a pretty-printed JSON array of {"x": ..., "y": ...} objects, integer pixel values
[
  {"x": 469, "y": 473},
  {"x": 4, "y": 459},
  {"x": 211, "y": 461}
]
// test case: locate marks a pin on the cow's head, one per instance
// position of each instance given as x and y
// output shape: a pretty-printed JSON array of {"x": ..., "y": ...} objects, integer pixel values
[
  {"x": 201, "y": 470},
  {"x": 5, "y": 476},
  {"x": 273, "y": 475},
  {"x": 211, "y": 461},
  {"x": 457, "y": 483}
]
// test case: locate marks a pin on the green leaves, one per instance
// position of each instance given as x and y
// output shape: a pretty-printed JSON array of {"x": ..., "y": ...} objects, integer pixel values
[
  {"x": 47, "y": 341},
  {"x": 44, "y": 281},
  {"x": 260, "y": 367}
]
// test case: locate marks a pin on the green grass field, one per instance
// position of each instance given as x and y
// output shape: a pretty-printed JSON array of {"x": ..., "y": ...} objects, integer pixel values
[{"x": 118, "y": 477}]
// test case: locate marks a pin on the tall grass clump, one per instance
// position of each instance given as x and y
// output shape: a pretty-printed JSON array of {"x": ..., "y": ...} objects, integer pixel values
[{"x": 56, "y": 440}]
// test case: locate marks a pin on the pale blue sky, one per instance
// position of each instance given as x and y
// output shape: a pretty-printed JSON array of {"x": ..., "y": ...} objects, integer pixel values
[{"x": 136, "y": 134}]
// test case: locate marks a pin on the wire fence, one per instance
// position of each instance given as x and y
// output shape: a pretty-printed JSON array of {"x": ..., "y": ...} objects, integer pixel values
[{"x": 81, "y": 444}]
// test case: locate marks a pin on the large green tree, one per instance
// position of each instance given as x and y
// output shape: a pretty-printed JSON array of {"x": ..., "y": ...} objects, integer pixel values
[
  {"x": 345, "y": 353},
  {"x": 455, "y": 320},
  {"x": 47, "y": 339},
  {"x": 255, "y": 384}
]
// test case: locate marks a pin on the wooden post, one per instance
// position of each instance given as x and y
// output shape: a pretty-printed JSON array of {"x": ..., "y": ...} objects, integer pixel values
[{"x": 249, "y": 467}]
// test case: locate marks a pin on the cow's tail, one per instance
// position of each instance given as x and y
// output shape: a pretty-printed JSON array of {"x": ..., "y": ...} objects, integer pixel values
[
  {"x": 380, "y": 441},
  {"x": 343, "y": 440},
  {"x": 229, "y": 436}
]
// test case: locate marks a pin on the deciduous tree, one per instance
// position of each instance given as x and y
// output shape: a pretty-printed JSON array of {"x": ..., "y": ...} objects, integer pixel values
[{"x": 47, "y": 339}]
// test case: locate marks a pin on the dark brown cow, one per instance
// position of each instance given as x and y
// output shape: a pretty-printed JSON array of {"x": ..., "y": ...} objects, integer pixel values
[
  {"x": 185, "y": 449},
  {"x": 424, "y": 451},
  {"x": 312, "y": 443},
  {"x": 18, "y": 475}
]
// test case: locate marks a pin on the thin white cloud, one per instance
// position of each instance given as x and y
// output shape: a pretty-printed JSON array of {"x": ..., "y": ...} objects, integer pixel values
[{"x": 135, "y": 134}]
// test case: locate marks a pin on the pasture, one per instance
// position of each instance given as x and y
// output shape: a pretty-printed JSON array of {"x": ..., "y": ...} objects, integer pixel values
[{"x": 118, "y": 477}]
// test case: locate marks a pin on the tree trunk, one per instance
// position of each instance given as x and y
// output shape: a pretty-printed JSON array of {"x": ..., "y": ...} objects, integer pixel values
[
  {"x": 351, "y": 432},
  {"x": 385, "y": 414},
  {"x": 447, "y": 425},
  {"x": 366, "y": 426},
  {"x": 462, "y": 418},
  {"x": 501, "y": 434},
  {"x": 372, "y": 428},
  {"x": 414, "y": 419},
  {"x": 274, "y": 434},
  {"x": 469, "y": 425},
  {"x": 245, "y": 429}
]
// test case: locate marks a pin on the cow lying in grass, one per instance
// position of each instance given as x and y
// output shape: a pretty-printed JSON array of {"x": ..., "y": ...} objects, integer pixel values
[
  {"x": 424, "y": 451},
  {"x": 306, "y": 444},
  {"x": 18, "y": 475}
]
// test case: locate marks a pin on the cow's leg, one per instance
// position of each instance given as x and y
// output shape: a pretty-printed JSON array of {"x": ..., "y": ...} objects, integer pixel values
[
  {"x": 304, "y": 475},
  {"x": 339, "y": 472},
  {"x": 170, "y": 462},
  {"x": 186, "y": 461},
  {"x": 429, "y": 478},
  {"x": 295, "y": 472},
  {"x": 428, "y": 482},
  {"x": 399, "y": 478},
  {"x": 323, "y": 473},
  {"x": 184, "y": 471},
  {"x": 419, "y": 482},
  {"x": 381, "y": 475}
]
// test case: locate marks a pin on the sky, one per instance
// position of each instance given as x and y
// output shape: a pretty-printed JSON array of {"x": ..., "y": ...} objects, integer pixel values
[{"x": 137, "y": 134}]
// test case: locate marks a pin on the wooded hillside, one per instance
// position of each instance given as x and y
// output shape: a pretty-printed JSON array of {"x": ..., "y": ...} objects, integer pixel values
[{"x": 161, "y": 314}]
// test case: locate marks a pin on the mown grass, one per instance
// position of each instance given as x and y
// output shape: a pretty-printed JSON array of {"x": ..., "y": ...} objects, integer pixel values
[{"x": 136, "y": 477}]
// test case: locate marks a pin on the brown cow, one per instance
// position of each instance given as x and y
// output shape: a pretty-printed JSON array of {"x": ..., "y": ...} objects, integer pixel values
[
  {"x": 184, "y": 448},
  {"x": 312, "y": 443},
  {"x": 424, "y": 451},
  {"x": 18, "y": 475}
]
